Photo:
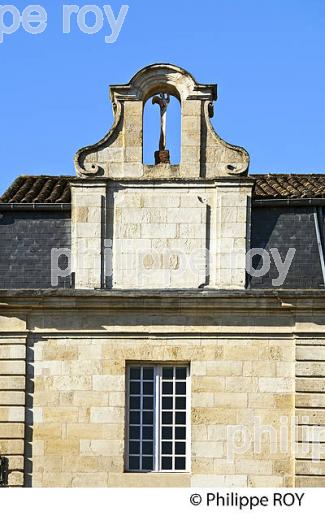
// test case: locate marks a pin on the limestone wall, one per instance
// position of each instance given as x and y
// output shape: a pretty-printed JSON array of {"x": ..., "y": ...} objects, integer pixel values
[
  {"x": 255, "y": 362},
  {"x": 161, "y": 237},
  {"x": 160, "y": 234},
  {"x": 79, "y": 408}
]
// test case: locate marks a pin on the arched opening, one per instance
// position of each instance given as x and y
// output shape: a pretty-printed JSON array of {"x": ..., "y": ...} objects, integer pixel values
[{"x": 162, "y": 129}]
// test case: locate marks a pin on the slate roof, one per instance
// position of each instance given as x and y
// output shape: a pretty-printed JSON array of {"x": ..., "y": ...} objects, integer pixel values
[{"x": 56, "y": 189}]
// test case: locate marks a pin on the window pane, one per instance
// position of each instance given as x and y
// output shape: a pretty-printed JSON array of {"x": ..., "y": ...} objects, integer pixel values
[
  {"x": 180, "y": 433},
  {"x": 167, "y": 372},
  {"x": 135, "y": 373},
  {"x": 180, "y": 418},
  {"x": 180, "y": 403},
  {"x": 147, "y": 433},
  {"x": 135, "y": 403},
  {"x": 134, "y": 463},
  {"x": 167, "y": 418},
  {"x": 180, "y": 372},
  {"x": 167, "y": 403},
  {"x": 134, "y": 388},
  {"x": 147, "y": 463},
  {"x": 134, "y": 417},
  {"x": 167, "y": 433},
  {"x": 134, "y": 432},
  {"x": 147, "y": 388},
  {"x": 147, "y": 418},
  {"x": 167, "y": 388},
  {"x": 148, "y": 373},
  {"x": 167, "y": 448},
  {"x": 148, "y": 403},
  {"x": 134, "y": 448},
  {"x": 181, "y": 388},
  {"x": 180, "y": 463},
  {"x": 180, "y": 448},
  {"x": 166, "y": 463},
  {"x": 147, "y": 448}
]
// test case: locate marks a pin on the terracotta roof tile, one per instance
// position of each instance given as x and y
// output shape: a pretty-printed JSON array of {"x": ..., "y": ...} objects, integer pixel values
[
  {"x": 39, "y": 189},
  {"x": 289, "y": 186},
  {"x": 56, "y": 189}
]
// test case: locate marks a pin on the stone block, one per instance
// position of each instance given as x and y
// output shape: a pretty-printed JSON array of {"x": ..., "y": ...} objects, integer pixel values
[
  {"x": 245, "y": 384},
  {"x": 230, "y": 400},
  {"x": 12, "y": 351},
  {"x": 60, "y": 414},
  {"x": 224, "y": 368},
  {"x": 16, "y": 478},
  {"x": 198, "y": 368},
  {"x": 199, "y": 432},
  {"x": 190, "y": 154},
  {"x": 208, "y": 481},
  {"x": 158, "y": 230},
  {"x": 259, "y": 368},
  {"x": 265, "y": 481},
  {"x": 310, "y": 384},
  {"x": 205, "y": 449},
  {"x": 12, "y": 382},
  {"x": 276, "y": 384},
  {"x": 89, "y": 480},
  {"x": 12, "y": 398},
  {"x": 110, "y": 383},
  {"x": 309, "y": 368},
  {"x": 96, "y": 431},
  {"x": 47, "y": 431},
  {"x": 69, "y": 383},
  {"x": 217, "y": 432},
  {"x": 202, "y": 466},
  {"x": 203, "y": 400},
  {"x": 58, "y": 352},
  {"x": 62, "y": 446},
  {"x": 12, "y": 430},
  {"x": 310, "y": 400},
  {"x": 89, "y": 398},
  {"x": 254, "y": 467},
  {"x": 12, "y": 413},
  {"x": 106, "y": 415},
  {"x": 16, "y": 462},
  {"x": 110, "y": 448},
  {"x": 208, "y": 384},
  {"x": 310, "y": 352},
  {"x": 213, "y": 416},
  {"x": 11, "y": 447}
]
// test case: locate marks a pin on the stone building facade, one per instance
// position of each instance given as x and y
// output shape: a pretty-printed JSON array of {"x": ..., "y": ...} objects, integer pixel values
[{"x": 153, "y": 329}]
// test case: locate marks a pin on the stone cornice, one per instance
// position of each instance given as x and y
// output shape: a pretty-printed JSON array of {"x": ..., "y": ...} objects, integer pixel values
[{"x": 257, "y": 302}]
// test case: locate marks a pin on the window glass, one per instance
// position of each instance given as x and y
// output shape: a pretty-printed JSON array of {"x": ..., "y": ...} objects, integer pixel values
[{"x": 157, "y": 418}]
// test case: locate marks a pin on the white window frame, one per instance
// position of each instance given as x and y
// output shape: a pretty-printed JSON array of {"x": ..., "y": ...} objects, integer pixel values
[{"x": 158, "y": 366}]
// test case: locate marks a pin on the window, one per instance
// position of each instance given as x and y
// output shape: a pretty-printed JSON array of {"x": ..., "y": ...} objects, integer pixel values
[{"x": 158, "y": 421}]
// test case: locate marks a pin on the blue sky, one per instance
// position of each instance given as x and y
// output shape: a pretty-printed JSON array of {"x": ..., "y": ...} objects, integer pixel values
[{"x": 267, "y": 58}]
